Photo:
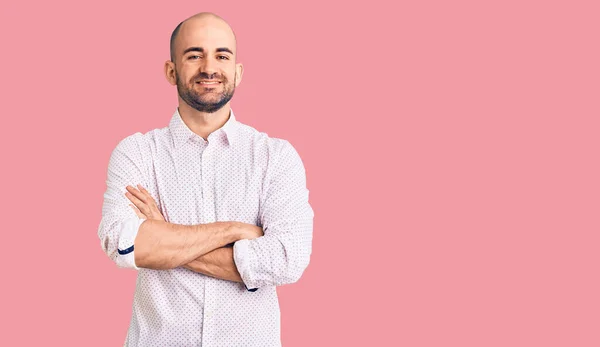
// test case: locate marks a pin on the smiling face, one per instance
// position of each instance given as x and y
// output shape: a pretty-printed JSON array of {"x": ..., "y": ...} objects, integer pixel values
[{"x": 203, "y": 63}]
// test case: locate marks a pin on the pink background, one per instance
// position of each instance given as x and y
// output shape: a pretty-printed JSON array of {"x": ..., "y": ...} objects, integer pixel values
[{"x": 451, "y": 150}]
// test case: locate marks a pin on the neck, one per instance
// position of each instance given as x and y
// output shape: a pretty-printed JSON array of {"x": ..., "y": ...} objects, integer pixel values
[{"x": 203, "y": 123}]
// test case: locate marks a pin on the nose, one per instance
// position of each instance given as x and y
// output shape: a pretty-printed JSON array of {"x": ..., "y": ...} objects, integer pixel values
[{"x": 209, "y": 66}]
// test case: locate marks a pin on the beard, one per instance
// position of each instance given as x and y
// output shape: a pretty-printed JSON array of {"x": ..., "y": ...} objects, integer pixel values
[{"x": 207, "y": 101}]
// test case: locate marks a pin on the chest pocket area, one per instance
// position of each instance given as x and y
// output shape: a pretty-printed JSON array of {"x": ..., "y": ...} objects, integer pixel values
[{"x": 238, "y": 195}]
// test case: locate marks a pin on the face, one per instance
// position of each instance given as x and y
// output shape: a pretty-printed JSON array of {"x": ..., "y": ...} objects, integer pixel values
[{"x": 205, "y": 69}]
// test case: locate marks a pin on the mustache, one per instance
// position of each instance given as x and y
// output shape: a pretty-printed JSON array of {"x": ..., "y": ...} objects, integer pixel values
[{"x": 206, "y": 76}]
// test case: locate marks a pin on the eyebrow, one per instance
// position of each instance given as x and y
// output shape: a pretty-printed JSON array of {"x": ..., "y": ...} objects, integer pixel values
[{"x": 201, "y": 50}]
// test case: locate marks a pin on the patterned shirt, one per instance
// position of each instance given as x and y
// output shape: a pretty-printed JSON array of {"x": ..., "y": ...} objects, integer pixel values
[{"x": 237, "y": 174}]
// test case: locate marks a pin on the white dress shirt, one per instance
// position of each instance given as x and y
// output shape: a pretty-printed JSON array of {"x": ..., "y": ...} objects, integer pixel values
[{"x": 238, "y": 174}]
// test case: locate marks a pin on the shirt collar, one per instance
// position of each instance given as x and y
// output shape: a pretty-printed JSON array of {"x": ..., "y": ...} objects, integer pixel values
[{"x": 182, "y": 133}]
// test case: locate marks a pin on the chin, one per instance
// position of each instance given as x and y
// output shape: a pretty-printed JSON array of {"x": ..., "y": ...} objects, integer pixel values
[{"x": 214, "y": 100}]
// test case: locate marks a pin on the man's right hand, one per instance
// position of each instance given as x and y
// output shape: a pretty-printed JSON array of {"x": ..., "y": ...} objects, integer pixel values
[{"x": 248, "y": 231}]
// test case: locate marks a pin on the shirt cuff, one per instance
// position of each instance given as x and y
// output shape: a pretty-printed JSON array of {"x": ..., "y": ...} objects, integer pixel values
[
  {"x": 125, "y": 249},
  {"x": 241, "y": 258}
]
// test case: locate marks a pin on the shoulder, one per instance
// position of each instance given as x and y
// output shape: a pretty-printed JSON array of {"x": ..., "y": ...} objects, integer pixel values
[
  {"x": 277, "y": 155},
  {"x": 275, "y": 148},
  {"x": 137, "y": 147},
  {"x": 131, "y": 143},
  {"x": 141, "y": 142}
]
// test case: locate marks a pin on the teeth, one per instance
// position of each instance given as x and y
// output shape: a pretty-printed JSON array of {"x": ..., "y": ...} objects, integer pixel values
[{"x": 208, "y": 82}]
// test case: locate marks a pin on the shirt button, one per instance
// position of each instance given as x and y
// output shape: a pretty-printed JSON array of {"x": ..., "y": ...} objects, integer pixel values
[{"x": 208, "y": 314}]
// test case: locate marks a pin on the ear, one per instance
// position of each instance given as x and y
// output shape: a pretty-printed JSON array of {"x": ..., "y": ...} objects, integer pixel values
[
  {"x": 170, "y": 72},
  {"x": 239, "y": 71}
]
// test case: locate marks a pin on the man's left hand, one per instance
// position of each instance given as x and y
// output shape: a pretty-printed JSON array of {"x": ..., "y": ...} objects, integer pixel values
[{"x": 143, "y": 203}]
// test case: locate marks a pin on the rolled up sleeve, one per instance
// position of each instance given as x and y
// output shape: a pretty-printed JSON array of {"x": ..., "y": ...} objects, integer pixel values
[
  {"x": 283, "y": 253},
  {"x": 120, "y": 224}
]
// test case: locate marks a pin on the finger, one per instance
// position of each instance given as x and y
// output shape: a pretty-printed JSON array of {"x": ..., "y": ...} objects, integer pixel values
[
  {"x": 136, "y": 193},
  {"x": 137, "y": 202},
  {"x": 150, "y": 199},
  {"x": 142, "y": 189},
  {"x": 132, "y": 197},
  {"x": 151, "y": 208},
  {"x": 137, "y": 212}
]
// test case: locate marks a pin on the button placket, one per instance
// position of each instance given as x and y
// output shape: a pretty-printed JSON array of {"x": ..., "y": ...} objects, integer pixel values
[
  {"x": 196, "y": 158},
  {"x": 208, "y": 313},
  {"x": 207, "y": 177}
]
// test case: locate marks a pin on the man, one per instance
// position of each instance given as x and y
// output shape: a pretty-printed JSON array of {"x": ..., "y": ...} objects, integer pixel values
[{"x": 212, "y": 213}]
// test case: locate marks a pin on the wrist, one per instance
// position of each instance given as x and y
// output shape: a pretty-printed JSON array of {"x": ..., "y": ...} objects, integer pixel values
[{"x": 235, "y": 232}]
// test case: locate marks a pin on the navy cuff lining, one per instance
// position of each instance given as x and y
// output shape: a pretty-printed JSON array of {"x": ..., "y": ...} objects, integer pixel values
[
  {"x": 126, "y": 251},
  {"x": 250, "y": 290}
]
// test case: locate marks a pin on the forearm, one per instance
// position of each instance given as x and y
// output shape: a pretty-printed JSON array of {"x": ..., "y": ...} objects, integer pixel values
[
  {"x": 218, "y": 263},
  {"x": 278, "y": 258},
  {"x": 160, "y": 245}
]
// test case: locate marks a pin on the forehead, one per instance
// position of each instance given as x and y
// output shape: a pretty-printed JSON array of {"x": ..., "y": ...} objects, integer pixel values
[{"x": 207, "y": 33}]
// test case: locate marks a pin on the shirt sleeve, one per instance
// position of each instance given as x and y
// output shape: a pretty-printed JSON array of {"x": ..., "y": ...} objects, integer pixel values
[
  {"x": 283, "y": 253},
  {"x": 120, "y": 224}
]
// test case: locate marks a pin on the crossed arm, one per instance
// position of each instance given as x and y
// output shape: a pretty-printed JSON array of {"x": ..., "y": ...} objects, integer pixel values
[
  {"x": 219, "y": 263},
  {"x": 201, "y": 248}
]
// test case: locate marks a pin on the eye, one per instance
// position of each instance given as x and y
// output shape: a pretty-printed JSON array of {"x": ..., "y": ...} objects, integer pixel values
[
  {"x": 223, "y": 57},
  {"x": 192, "y": 57}
]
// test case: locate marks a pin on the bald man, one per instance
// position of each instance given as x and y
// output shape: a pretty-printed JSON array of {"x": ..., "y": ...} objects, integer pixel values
[{"x": 212, "y": 213}]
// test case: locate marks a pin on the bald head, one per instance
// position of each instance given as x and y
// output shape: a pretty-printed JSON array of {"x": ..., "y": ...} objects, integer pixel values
[{"x": 206, "y": 21}]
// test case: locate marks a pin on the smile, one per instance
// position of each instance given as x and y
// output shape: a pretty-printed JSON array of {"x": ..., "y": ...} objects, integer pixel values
[{"x": 208, "y": 82}]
